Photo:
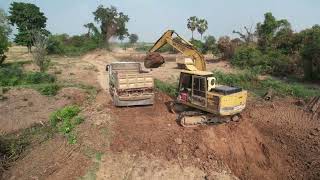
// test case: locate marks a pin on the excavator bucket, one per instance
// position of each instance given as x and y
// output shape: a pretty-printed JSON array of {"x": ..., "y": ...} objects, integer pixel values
[{"x": 153, "y": 60}]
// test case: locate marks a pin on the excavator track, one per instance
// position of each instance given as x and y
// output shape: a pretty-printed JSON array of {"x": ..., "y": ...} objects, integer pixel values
[{"x": 193, "y": 118}]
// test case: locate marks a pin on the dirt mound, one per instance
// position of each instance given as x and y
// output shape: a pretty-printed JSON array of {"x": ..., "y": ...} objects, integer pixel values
[
  {"x": 24, "y": 107},
  {"x": 53, "y": 159},
  {"x": 292, "y": 132},
  {"x": 238, "y": 146}
]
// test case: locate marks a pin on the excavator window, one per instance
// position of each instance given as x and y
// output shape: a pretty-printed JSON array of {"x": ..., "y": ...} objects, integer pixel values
[
  {"x": 199, "y": 86},
  {"x": 186, "y": 82}
]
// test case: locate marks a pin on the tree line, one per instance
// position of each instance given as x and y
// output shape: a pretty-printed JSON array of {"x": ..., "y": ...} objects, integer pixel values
[{"x": 270, "y": 46}]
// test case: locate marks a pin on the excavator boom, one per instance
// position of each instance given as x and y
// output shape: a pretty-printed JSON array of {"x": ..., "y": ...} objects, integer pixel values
[{"x": 183, "y": 46}]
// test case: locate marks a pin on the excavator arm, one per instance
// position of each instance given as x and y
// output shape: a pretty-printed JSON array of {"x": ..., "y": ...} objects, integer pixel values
[{"x": 183, "y": 46}]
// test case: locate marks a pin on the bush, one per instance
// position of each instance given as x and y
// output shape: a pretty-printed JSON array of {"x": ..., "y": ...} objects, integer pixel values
[
  {"x": 65, "y": 120},
  {"x": 39, "y": 77},
  {"x": 49, "y": 89},
  {"x": 169, "y": 89},
  {"x": 311, "y": 52},
  {"x": 74, "y": 45},
  {"x": 11, "y": 75},
  {"x": 250, "y": 81},
  {"x": 272, "y": 61},
  {"x": 55, "y": 45},
  {"x": 199, "y": 45}
]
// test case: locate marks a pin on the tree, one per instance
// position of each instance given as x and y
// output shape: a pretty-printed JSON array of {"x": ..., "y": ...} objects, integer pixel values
[
  {"x": 248, "y": 36},
  {"x": 133, "y": 38},
  {"x": 202, "y": 26},
  {"x": 268, "y": 29},
  {"x": 227, "y": 46},
  {"x": 112, "y": 22},
  {"x": 210, "y": 44},
  {"x": 90, "y": 27},
  {"x": 4, "y": 34},
  {"x": 40, "y": 52},
  {"x": 192, "y": 24},
  {"x": 311, "y": 52},
  {"x": 29, "y": 19}
]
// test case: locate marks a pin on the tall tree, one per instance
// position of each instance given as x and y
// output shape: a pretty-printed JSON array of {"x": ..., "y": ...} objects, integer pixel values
[
  {"x": 192, "y": 24},
  {"x": 5, "y": 31},
  {"x": 202, "y": 26},
  {"x": 112, "y": 22},
  {"x": 248, "y": 36},
  {"x": 268, "y": 29},
  {"x": 29, "y": 19},
  {"x": 133, "y": 38},
  {"x": 210, "y": 44}
]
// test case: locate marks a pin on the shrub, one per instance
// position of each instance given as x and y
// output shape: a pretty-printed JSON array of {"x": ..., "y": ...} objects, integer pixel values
[
  {"x": 250, "y": 81},
  {"x": 169, "y": 89},
  {"x": 311, "y": 52},
  {"x": 55, "y": 45},
  {"x": 39, "y": 77},
  {"x": 272, "y": 61},
  {"x": 199, "y": 45},
  {"x": 11, "y": 75},
  {"x": 65, "y": 120},
  {"x": 49, "y": 89}
]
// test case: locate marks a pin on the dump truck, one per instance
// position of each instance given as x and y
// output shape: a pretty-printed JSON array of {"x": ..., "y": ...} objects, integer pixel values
[{"x": 129, "y": 85}]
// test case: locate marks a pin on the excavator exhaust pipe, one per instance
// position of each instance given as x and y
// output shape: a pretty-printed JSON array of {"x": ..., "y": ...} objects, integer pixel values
[{"x": 153, "y": 60}]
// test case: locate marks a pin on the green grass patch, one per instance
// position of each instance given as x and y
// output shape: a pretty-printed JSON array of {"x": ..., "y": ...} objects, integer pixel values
[
  {"x": 12, "y": 75},
  {"x": 65, "y": 120},
  {"x": 49, "y": 89},
  {"x": 166, "y": 88},
  {"x": 250, "y": 81}
]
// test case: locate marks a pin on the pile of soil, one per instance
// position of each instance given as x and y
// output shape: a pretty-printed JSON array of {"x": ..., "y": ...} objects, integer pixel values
[
  {"x": 238, "y": 146},
  {"x": 292, "y": 131}
]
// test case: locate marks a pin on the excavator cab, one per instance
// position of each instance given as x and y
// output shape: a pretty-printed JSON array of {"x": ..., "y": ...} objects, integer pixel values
[{"x": 198, "y": 89}]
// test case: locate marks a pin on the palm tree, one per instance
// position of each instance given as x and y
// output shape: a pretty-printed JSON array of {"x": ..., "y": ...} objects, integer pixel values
[
  {"x": 90, "y": 27},
  {"x": 202, "y": 26},
  {"x": 192, "y": 24}
]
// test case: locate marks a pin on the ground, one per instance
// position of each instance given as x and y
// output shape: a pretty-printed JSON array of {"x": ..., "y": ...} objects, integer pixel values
[{"x": 274, "y": 140}]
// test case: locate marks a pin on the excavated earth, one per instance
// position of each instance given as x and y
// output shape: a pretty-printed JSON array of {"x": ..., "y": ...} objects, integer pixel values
[{"x": 274, "y": 140}]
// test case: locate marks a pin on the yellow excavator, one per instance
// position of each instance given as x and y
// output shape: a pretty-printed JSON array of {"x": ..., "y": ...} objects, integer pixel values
[{"x": 203, "y": 100}]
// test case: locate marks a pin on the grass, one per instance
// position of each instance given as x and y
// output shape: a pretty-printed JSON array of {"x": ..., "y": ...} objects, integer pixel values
[
  {"x": 96, "y": 157},
  {"x": 12, "y": 75},
  {"x": 166, "y": 88},
  {"x": 13, "y": 145},
  {"x": 65, "y": 120},
  {"x": 249, "y": 81}
]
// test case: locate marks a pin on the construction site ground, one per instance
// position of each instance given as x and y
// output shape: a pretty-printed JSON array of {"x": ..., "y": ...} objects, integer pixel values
[{"x": 274, "y": 140}]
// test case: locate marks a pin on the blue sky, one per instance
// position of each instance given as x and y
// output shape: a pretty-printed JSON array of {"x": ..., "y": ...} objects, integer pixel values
[{"x": 150, "y": 18}]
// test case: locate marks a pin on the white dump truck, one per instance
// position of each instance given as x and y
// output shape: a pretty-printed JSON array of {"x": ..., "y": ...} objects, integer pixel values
[{"x": 129, "y": 85}]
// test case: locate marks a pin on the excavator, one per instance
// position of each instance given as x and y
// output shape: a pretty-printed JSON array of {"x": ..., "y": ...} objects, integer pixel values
[{"x": 200, "y": 99}]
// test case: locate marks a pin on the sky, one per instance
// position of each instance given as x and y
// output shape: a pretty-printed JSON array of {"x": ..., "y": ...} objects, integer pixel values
[{"x": 150, "y": 18}]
